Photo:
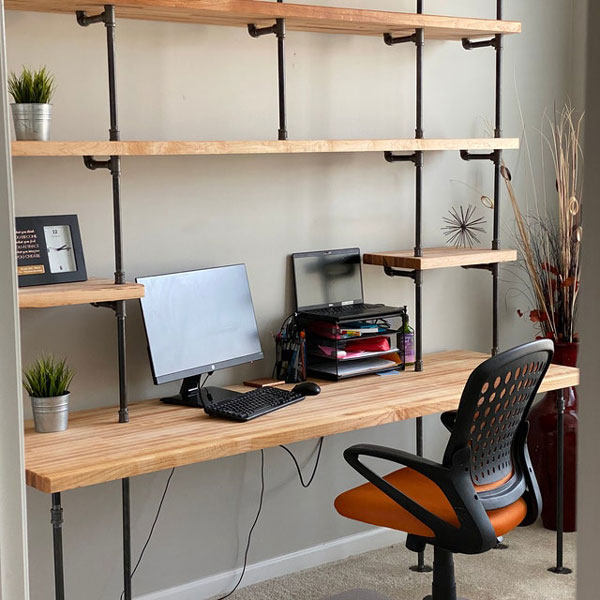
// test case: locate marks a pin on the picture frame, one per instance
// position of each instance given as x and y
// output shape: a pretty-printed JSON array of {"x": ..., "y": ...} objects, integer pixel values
[{"x": 49, "y": 250}]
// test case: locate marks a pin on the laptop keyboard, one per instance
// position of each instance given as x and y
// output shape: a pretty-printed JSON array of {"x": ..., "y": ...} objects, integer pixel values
[{"x": 336, "y": 310}]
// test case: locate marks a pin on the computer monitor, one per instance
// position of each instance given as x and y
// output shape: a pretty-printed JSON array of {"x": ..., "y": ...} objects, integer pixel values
[{"x": 198, "y": 322}]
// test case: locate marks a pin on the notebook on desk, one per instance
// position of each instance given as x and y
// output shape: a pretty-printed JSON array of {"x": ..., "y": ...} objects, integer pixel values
[{"x": 329, "y": 286}]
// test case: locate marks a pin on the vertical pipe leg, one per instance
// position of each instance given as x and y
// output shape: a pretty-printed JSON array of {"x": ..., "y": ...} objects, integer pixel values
[
  {"x": 495, "y": 294},
  {"x": 56, "y": 518},
  {"x": 282, "y": 132},
  {"x": 560, "y": 482},
  {"x": 126, "y": 539}
]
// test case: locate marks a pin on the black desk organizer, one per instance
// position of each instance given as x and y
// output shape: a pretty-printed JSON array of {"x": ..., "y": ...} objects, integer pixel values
[{"x": 335, "y": 367}]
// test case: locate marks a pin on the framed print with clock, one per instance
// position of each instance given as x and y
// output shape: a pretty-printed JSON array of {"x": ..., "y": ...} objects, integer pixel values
[{"x": 49, "y": 250}]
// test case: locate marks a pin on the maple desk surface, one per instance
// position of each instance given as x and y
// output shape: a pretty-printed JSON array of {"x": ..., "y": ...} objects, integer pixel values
[{"x": 96, "y": 449}]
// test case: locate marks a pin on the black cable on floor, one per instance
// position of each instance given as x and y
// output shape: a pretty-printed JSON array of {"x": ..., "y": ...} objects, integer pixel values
[
  {"x": 164, "y": 495},
  {"x": 302, "y": 483},
  {"x": 260, "y": 505}
]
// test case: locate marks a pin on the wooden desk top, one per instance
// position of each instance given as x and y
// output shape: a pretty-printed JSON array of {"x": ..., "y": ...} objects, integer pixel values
[{"x": 96, "y": 449}]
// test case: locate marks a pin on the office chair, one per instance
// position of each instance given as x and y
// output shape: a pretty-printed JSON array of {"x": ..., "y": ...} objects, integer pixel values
[{"x": 485, "y": 485}]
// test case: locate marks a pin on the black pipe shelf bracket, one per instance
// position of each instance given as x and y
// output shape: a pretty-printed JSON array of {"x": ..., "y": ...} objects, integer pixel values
[
  {"x": 390, "y": 40},
  {"x": 390, "y": 272},
  {"x": 415, "y": 157},
  {"x": 468, "y": 44},
  {"x": 489, "y": 268},
  {"x": 494, "y": 156}
]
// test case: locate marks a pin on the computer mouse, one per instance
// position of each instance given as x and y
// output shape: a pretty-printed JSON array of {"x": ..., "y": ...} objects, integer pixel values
[{"x": 307, "y": 388}]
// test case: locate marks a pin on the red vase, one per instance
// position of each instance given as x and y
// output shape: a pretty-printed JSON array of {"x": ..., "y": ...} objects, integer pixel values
[{"x": 542, "y": 443}]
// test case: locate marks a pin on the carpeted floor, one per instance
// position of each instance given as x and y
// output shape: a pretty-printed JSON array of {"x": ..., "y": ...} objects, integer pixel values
[{"x": 518, "y": 573}]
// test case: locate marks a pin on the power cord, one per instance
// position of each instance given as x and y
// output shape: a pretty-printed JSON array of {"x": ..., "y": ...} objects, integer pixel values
[
  {"x": 256, "y": 518},
  {"x": 164, "y": 495},
  {"x": 206, "y": 379},
  {"x": 302, "y": 483},
  {"x": 249, "y": 539}
]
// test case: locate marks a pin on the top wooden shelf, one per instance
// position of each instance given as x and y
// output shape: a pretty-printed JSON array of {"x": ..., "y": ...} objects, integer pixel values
[
  {"x": 299, "y": 17},
  {"x": 153, "y": 148},
  {"x": 159, "y": 436}
]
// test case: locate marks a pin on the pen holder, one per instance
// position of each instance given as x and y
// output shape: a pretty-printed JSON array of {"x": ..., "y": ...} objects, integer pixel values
[{"x": 291, "y": 358}]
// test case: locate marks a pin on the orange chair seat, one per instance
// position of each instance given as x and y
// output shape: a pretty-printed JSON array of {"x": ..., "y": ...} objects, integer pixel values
[{"x": 368, "y": 504}]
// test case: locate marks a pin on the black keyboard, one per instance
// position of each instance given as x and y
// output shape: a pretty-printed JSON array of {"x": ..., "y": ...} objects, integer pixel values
[
  {"x": 336, "y": 310},
  {"x": 253, "y": 404}
]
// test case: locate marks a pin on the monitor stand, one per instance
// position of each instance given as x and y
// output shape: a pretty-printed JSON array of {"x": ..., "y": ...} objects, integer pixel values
[{"x": 191, "y": 394}]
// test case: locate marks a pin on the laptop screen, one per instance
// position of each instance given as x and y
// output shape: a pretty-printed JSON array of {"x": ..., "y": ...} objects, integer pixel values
[{"x": 327, "y": 278}]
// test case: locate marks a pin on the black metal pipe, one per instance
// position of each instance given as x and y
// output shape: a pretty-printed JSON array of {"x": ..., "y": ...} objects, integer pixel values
[
  {"x": 420, "y": 42},
  {"x": 560, "y": 569},
  {"x": 122, "y": 348},
  {"x": 126, "y": 539},
  {"x": 56, "y": 518},
  {"x": 560, "y": 456},
  {"x": 110, "y": 24},
  {"x": 280, "y": 33},
  {"x": 498, "y": 46},
  {"x": 418, "y": 320},
  {"x": 495, "y": 301}
]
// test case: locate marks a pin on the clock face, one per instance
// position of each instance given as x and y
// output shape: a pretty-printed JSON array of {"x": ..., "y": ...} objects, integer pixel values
[{"x": 59, "y": 244}]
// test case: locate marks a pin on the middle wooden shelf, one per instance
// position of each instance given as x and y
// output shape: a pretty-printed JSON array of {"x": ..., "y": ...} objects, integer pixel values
[
  {"x": 173, "y": 148},
  {"x": 439, "y": 258}
]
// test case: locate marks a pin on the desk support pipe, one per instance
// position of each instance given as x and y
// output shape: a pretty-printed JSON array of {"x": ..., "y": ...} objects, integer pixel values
[
  {"x": 114, "y": 166},
  {"x": 560, "y": 569},
  {"x": 56, "y": 518}
]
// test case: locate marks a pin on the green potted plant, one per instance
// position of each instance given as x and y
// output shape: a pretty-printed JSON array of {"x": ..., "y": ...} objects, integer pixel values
[
  {"x": 47, "y": 381},
  {"x": 31, "y": 110}
]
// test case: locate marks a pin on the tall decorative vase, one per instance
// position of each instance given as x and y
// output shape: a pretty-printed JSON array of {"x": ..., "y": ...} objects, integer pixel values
[{"x": 542, "y": 443}]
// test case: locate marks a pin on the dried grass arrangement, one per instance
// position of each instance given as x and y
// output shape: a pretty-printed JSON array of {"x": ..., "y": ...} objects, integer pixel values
[{"x": 549, "y": 239}]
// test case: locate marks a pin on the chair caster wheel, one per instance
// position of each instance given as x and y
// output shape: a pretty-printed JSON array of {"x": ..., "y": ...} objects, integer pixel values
[{"x": 421, "y": 569}]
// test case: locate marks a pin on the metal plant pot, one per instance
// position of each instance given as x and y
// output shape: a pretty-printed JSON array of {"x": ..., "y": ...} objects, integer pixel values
[
  {"x": 50, "y": 414},
  {"x": 32, "y": 121}
]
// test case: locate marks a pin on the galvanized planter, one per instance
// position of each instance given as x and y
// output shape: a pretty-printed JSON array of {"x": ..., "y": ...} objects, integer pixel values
[
  {"x": 32, "y": 121},
  {"x": 50, "y": 414}
]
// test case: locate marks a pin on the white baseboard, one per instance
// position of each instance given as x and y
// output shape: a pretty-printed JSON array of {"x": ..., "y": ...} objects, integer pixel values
[{"x": 281, "y": 565}]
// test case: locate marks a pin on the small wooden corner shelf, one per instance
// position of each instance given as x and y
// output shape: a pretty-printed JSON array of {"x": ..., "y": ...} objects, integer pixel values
[
  {"x": 84, "y": 292},
  {"x": 439, "y": 258},
  {"x": 156, "y": 148},
  {"x": 299, "y": 17}
]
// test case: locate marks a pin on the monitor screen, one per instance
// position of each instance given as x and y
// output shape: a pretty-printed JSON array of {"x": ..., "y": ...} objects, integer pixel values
[
  {"x": 199, "y": 321},
  {"x": 328, "y": 277}
]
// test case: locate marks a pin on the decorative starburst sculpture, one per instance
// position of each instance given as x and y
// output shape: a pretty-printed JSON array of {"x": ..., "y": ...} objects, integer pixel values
[{"x": 462, "y": 227}]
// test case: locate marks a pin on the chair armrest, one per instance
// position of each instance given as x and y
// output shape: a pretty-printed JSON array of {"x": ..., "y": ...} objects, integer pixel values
[
  {"x": 476, "y": 532},
  {"x": 430, "y": 469},
  {"x": 448, "y": 419}
]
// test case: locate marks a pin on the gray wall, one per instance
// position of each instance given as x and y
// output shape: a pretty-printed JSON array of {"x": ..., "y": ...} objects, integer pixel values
[{"x": 192, "y": 82}]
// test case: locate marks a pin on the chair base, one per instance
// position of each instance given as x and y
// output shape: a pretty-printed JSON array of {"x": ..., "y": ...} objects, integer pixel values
[
  {"x": 430, "y": 597},
  {"x": 359, "y": 594}
]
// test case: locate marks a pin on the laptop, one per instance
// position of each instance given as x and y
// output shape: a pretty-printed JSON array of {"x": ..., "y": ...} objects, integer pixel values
[{"x": 329, "y": 286}]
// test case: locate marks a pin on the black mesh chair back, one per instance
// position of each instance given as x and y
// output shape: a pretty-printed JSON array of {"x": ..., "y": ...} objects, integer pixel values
[{"x": 492, "y": 421}]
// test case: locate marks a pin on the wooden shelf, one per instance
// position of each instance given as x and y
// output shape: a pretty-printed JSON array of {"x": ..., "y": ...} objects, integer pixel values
[
  {"x": 439, "y": 258},
  {"x": 254, "y": 147},
  {"x": 319, "y": 19},
  {"x": 84, "y": 292},
  {"x": 159, "y": 436}
]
